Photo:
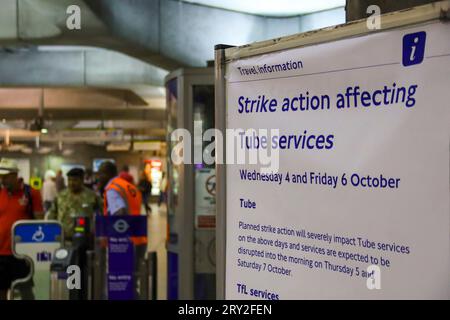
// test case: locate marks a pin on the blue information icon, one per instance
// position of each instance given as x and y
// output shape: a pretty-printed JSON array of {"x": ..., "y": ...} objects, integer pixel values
[{"x": 414, "y": 48}]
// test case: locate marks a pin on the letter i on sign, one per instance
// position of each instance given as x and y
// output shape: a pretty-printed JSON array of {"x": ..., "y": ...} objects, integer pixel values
[
  {"x": 413, "y": 51},
  {"x": 414, "y": 48}
]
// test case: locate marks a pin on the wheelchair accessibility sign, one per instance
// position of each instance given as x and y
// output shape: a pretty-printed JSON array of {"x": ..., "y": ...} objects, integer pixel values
[
  {"x": 36, "y": 232},
  {"x": 36, "y": 242}
]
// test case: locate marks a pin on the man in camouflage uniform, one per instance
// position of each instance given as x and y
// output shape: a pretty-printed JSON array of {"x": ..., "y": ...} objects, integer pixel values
[{"x": 75, "y": 201}]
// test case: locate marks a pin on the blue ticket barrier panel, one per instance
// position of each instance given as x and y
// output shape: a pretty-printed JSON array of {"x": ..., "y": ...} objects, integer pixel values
[
  {"x": 35, "y": 242},
  {"x": 119, "y": 238}
]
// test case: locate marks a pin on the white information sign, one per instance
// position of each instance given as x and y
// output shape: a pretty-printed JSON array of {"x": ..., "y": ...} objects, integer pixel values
[{"x": 355, "y": 203}]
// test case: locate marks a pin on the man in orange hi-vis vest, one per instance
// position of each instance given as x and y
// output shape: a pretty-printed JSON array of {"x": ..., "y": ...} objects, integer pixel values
[
  {"x": 120, "y": 196},
  {"x": 123, "y": 198}
]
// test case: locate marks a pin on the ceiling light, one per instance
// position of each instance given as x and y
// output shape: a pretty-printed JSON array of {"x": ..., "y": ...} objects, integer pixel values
[
  {"x": 118, "y": 146},
  {"x": 16, "y": 147},
  {"x": 67, "y": 152},
  {"x": 44, "y": 150},
  {"x": 27, "y": 150},
  {"x": 146, "y": 146}
]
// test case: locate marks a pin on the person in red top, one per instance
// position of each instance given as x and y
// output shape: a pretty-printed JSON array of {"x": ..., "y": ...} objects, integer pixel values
[{"x": 17, "y": 202}]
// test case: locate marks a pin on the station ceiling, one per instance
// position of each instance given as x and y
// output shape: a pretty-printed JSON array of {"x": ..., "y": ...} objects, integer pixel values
[
  {"x": 110, "y": 73},
  {"x": 272, "y": 8},
  {"x": 71, "y": 115}
]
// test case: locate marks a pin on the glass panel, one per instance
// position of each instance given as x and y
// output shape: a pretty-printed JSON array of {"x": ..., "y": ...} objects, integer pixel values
[
  {"x": 172, "y": 170},
  {"x": 205, "y": 197}
]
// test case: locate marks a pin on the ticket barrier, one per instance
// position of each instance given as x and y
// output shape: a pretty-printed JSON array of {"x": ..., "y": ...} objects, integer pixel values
[
  {"x": 123, "y": 269},
  {"x": 118, "y": 268},
  {"x": 70, "y": 271},
  {"x": 35, "y": 242}
]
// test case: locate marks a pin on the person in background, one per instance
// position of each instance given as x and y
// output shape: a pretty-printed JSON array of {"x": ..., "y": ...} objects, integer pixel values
[
  {"x": 49, "y": 189},
  {"x": 17, "y": 202},
  {"x": 146, "y": 189},
  {"x": 59, "y": 180},
  {"x": 120, "y": 197},
  {"x": 125, "y": 174},
  {"x": 162, "y": 190},
  {"x": 96, "y": 185},
  {"x": 75, "y": 201},
  {"x": 89, "y": 180}
]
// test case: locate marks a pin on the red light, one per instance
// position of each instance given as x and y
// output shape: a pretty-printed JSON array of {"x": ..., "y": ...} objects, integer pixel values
[{"x": 81, "y": 221}]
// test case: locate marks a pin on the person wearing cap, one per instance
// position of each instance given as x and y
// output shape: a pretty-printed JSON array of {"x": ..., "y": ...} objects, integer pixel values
[
  {"x": 75, "y": 201},
  {"x": 18, "y": 201}
]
